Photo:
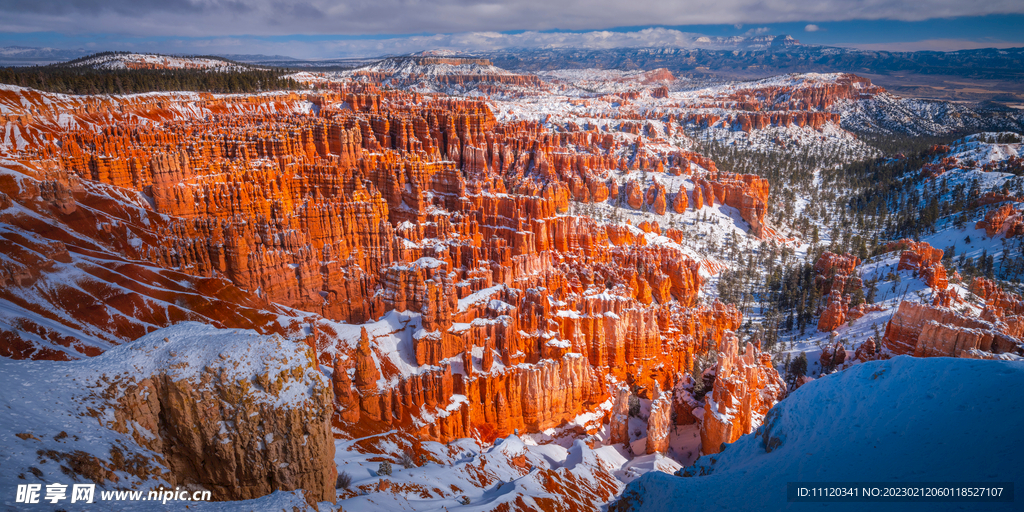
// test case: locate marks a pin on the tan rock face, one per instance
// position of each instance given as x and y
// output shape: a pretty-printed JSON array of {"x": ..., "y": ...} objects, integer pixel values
[
  {"x": 746, "y": 387},
  {"x": 659, "y": 423},
  {"x": 618, "y": 425},
  {"x": 233, "y": 412}
]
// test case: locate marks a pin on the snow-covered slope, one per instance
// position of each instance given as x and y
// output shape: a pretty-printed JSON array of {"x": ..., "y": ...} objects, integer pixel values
[
  {"x": 117, "y": 60},
  {"x": 900, "y": 421},
  {"x": 890, "y": 114},
  {"x": 432, "y": 66}
]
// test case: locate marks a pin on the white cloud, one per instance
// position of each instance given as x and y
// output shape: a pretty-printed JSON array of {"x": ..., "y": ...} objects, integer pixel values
[{"x": 811, "y": 27}]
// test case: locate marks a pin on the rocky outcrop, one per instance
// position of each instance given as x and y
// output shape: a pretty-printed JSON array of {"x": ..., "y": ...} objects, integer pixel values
[
  {"x": 867, "y": 351},
  {"x": 233, "y": 412},
  {"x": 836, "y": 275},
  {"x": 680, "y": 202},
  {"x": 1006, "y": 220},
  {"x": 618, "y": 424},
  {"x": 655, "y": 198},
  {"x": 683, "y": 401},
  {"x": 747, "y": 193},
  {"x": 926, "y": 262},
  {"x": 835, "y": 312},
  {"x": 746, "y": 387},
  {"x": 659, "y": 423},
  {"x": 929, "y": 331},
  {"x": 634, "y": 195},
  {"x": 832, "y": 356},
  {"x": 1004, "y": 309},
  {"x": 834, "y": 272}
]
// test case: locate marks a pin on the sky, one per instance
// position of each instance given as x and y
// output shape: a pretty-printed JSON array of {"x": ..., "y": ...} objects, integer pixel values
[{"x": 321, "y": 29}]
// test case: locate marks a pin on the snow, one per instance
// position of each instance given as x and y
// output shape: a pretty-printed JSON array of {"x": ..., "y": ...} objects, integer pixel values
[
  {"x": 488, "y": 477},
  {"x": 855, "y": 426},
  {"x": 484, "y": 295}
]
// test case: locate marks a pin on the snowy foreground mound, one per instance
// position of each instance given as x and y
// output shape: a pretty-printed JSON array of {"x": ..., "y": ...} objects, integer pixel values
[{"x": 901, "y": 420}]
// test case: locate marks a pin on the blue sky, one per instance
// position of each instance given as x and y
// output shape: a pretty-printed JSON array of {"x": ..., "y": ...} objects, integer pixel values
[{"x": 355, "y": 28}]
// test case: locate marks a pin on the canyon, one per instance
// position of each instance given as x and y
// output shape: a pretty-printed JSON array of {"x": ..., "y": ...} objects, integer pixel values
[{"x": 449, "y": 266}]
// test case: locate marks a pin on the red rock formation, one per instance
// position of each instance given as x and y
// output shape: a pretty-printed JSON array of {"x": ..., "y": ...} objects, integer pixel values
[
  {"x": 832, "y": 357},
  {"x": 681, "y": 202},
  {"x": 345, "y": 397},
  {"x": 746, "y": 386},
  {"x": 836, "y": 275},
  {"x": 1006, "y": 220},
  {"x": 993, "y": 198},
  {"x": 946, "y": 298},
  {"x": 867, "y": 351},
  {"x": 655, "y": 198},
  {"x": 747, "y": 193},
  {"x": 1004, "y": 309},
  {"x": 634, "y": 195},
  {"x": 995, "y": 296},
  {"x": 253, "y": 212},
  {"x": 683, "y": 401},
  {"x": 833, "y": 270},
  {"x": 924, "y": 260},
  {"x": 835, "y": 312}
]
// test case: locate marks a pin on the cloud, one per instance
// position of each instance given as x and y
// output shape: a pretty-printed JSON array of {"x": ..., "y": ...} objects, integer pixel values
[
  {"x": 811, "y": 27},
  {"x": 757, "y": 31},
  {"x": 468, "y": 42},
  {"x": 215, "y": 18}
]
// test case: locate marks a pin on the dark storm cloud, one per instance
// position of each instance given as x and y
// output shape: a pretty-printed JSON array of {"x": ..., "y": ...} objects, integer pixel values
[
  {"x": 202, "y": 18},
  {"x": 99, "y": 8}
]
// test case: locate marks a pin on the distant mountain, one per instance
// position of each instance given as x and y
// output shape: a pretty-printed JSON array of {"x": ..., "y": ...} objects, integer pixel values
[
  {"x": 31, "y": 56},
  {"x": 279, "y": 61},
  {"x": 772, "y": 57},
  {"x": 126, "y": 60},
  {"x": 685, "y": 40}
]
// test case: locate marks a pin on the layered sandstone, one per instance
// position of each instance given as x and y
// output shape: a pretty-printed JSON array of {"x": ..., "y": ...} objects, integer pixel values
[{"x": 929, "y": 331}]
